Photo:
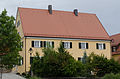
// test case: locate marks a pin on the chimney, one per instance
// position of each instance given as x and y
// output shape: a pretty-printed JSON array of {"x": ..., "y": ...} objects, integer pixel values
[
  {"x": 50, "y": 9},
  {"x": 76, "y": 12}
]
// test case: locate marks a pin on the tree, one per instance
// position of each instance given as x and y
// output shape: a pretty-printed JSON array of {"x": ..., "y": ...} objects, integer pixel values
[
  {"x": 101, "y": 65},
  {"x": 56, "y": 64},
  {"x": 9, "y": 41}
]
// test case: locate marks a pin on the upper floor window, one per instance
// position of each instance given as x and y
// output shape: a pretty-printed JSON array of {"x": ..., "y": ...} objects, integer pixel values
[
  {"x": 100, "y": 46},
  {"x": 49, "y": 44},
  {"x": 67, "y": 45},
  {"x": 83, "y": 45},
  {"x": 39, "y": 44},
  {"x": 114, "y": 49},
  {"x": 18, "y": 23},
  {"x": 36, "y": 44}
]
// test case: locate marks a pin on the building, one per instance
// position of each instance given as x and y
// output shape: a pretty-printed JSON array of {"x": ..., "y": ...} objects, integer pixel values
[
  {"x": 80, "y": 32},
  {"x": 115, "y": 46}
]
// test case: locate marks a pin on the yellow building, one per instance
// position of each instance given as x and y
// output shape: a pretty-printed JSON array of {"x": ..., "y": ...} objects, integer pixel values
[{"x": 79, "y": 32}]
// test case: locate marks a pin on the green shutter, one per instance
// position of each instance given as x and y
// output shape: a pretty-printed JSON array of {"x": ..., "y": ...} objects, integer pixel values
[
  {"x": 52, "y": 44},
  {"x": 97, "y": 46},
  {"x": 32, "y": 43},
  {"x": 86, "y": 45},
  {"x": 70, "y": 44},
  {"x": 44, "y": 43},
  {"x": 80, "y": 45},
  {"x": 104, "y": 46}
]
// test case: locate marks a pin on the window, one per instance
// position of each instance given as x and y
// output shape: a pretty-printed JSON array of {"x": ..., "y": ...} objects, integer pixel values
[
  {"x": 21, "y": 61},
  {"x": 83, "y": 45},
  {"x": 36, "y": 44},
  {"x": 67, "y": 45},
  {"x": 18, "y": 23},
  {"x": 49, "y": 44},
  {"x": 100, "y": 46},
  {"x": 80, "y": 58},
  {"x": 114, "y": 49},
  {"x": 31, "y": 60},
  {"x": 39, "y": 44}
]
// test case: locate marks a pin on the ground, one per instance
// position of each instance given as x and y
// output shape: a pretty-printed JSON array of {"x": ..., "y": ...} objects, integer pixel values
[{"x": 11, "y": 76}]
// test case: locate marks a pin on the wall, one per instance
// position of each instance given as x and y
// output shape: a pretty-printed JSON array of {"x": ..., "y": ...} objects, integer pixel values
[{"x": 74, "y": 51}]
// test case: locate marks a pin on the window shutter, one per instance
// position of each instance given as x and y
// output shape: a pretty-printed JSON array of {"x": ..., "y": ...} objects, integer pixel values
[
  {"x": 32, "y": 43},
  {"x": 70, "y": 44},
  {"x": 63, "y": 44},
  {"x": 97, "y": 46},
  {"x": 44, "y": 43},
  {"x": 104, "y": 46},
  {"x": 86, "y": 45},
  {"x": 52, "y": 44},
  {"x": 41, "y": 43},
  {"x": 80, "y": 45}
]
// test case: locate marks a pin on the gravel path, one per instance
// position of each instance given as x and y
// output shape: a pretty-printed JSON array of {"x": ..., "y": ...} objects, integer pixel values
[{"x": 11, "y": 76}]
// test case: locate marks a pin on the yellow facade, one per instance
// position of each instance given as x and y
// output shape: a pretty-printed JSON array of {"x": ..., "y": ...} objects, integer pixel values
[{"x": 75, "y": 51}]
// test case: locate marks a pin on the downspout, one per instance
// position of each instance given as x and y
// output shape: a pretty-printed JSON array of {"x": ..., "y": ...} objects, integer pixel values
[{"x": 25, "y": 54}]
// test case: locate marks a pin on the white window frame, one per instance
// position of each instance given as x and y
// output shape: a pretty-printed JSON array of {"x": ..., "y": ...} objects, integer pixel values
[
  {"x": 83, "y": 47},
  {"x": 67, "y": 45},
  {"x": 101, "y": 47},
  {"x": 39, "y": 44}
]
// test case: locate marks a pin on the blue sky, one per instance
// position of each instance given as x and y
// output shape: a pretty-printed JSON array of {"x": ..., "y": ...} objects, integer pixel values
[{"x": 108, "y": 11}]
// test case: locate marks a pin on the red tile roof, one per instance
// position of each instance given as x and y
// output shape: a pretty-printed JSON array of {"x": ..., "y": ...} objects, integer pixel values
[
  {"x": 38, "y": 22},
  {"x": 115, "y": 53},
  {"x": 115, "y": 39}
]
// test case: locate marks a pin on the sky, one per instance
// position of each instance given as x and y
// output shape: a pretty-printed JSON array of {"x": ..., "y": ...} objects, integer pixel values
[{"x": 108, "y": 11}]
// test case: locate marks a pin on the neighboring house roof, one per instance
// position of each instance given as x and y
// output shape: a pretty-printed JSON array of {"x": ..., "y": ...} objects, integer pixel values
[
  {"x": 115, "y": 53},
  {"x": 115, "y": 39},
  {"x": 62, "y": 24}
]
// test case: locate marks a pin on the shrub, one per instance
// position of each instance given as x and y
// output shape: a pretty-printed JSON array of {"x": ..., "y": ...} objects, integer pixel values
[
  {"x": 111, "y": 76},
  {"x": 56, "y": 64},
  {"x": 101, "y": 65}
]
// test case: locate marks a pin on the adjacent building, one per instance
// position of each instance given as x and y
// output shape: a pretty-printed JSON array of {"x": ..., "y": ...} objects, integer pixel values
[
  {"x": 79, "y": 32},
  {"x": 115, "y": 45}
]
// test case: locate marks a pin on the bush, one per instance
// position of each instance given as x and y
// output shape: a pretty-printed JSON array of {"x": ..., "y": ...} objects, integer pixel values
[
  {"x": 101, "y": 65},
  {"x": 111, "y": 76},
  {"x": 56, "y": 64}
]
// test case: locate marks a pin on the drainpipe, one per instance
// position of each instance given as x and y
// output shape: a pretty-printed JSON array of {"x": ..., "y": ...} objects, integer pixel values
[{"x": 25, "y": 54}]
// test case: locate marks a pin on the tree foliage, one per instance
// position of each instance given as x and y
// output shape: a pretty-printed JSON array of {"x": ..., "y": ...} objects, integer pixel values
[
  {"x": 101, "y": 65},
  {"x": 9, "y": 40},
  {"x": 56, "y": 64}
]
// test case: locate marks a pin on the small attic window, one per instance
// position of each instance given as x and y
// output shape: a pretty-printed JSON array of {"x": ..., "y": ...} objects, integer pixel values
[{"x": 18, "y": 23}]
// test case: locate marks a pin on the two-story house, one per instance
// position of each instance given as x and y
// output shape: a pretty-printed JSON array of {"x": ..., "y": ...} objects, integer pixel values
[
  {"x": 79, "y": 32},
  {"x": 115, "y": 46}
]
